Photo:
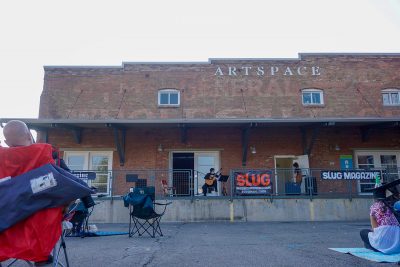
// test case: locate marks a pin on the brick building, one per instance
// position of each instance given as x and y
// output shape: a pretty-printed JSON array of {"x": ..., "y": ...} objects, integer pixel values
[{"x": 225, "y": 113}]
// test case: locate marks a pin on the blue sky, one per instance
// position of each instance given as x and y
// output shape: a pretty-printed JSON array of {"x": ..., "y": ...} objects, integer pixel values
[{"x": 48, "y": 32}]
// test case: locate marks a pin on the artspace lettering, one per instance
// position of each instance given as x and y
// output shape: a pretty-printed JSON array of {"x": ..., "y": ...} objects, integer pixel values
[
  {"x": 349, "y": 175},
  {"x": 268, "y": 71}
]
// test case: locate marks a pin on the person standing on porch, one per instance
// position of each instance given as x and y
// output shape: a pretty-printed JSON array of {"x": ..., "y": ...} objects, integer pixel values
[{"x": 298, "y": 177}]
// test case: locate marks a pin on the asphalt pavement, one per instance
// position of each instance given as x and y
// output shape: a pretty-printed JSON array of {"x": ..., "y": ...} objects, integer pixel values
[{"x": 223, "y": 244}]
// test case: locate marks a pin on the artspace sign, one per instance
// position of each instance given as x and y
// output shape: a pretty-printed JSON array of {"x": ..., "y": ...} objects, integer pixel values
[
  {"x": 349, "y": 175},
  {"x": 254, "y": 182},
  {"x": 268, "y": 71}
]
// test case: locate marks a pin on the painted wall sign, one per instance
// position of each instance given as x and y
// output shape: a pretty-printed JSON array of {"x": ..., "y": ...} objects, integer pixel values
[
  {"x": 85, "y": 175},
  {"x": 349, "y": 175},
  {"x": 268, "y": 71},
  {"x": 256, "y": 182},
  {"x": 346, "y": 162}
]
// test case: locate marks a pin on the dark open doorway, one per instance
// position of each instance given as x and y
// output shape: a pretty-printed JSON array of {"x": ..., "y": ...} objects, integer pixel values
[{"x": 181, "y": 180}]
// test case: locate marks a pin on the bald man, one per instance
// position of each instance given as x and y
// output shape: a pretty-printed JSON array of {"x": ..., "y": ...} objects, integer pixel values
[{"x": 16, "y": 133}]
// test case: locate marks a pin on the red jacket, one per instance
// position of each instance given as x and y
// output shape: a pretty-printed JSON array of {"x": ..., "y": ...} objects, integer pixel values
[{"x": 33, "y": 238}]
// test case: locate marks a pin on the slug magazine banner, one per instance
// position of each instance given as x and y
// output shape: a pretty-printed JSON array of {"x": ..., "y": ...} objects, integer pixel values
[
  {"x": 349, "y": 175},
  {"x": 253, "y": 182}
]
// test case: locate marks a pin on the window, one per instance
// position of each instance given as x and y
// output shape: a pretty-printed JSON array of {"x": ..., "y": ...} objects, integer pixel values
[
  {"x": 386, "y": 161},
  {"x": 312, "y": 97},
  {"x": 391, "y": 97},
  {"x": 94, "y": 161},
  {"x": 169, "y": 98}
]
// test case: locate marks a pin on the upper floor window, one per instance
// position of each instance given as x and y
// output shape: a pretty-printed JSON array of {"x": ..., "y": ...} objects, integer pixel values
[
  {"x": 169, "y": 97},
  {"x": 391, "y": 97},
  {"x": 312, "y": 97}
]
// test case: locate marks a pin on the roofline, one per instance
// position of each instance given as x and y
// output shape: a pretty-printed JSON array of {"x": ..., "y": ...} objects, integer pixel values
[
  {"x": 211, "y": 60},
  {"x": 199, "y": 121}
]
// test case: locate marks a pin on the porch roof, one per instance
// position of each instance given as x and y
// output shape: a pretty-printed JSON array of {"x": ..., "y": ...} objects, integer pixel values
[{"x": 211, "y": 122}]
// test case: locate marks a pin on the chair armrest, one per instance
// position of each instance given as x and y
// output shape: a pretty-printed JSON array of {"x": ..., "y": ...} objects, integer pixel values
[{"x": 162, "y": 204}]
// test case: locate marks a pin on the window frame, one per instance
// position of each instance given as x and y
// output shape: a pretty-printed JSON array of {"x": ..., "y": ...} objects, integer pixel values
[
  {"x": 376, "y": 155},
  {"x": 311, "y": 91},
  {"x": 88, "y": 164},
  {"x": 390, "y": 91},
  {"x": 169, "y": 91}
]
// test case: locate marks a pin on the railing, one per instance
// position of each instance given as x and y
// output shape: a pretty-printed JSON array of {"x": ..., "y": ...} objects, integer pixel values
[
  {"x": 102, "y": 180},
  {"x": 247, "y": 183}
]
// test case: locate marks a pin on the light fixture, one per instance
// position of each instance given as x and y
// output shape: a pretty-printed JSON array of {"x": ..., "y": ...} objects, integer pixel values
[
  {"x": 160, "y": 148},
  {"x": 334, "y": 147},
  {"x": 253, "y": 150}
]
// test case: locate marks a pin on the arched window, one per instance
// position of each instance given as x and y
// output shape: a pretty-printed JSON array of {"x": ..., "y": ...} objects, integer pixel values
[
  {"x": 169, "y": 98},
  {"x": 311, "y": 96},
  {"x": 391, "y": 97}
]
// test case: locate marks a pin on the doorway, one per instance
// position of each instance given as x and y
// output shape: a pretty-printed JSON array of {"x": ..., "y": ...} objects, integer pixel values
[
  {"x": 204, "y": 161},
  {"x": 284, "y": 170},
  {"x": 284, "y": 173},
  {"x": 182, "y": 180},
  {"x": 199, "y": 163}
]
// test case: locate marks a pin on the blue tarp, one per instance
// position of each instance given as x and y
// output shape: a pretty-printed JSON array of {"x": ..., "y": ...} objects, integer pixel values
[{"x": 369, "y": 254}]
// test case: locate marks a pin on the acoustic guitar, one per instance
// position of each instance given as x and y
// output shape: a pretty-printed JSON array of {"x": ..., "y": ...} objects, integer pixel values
[{"x": 210, "y": 180}]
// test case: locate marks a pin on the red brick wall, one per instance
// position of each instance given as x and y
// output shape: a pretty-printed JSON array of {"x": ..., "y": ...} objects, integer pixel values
[
  {"x": 352, "y": 88},
  {"x": 142, "y": 143}
]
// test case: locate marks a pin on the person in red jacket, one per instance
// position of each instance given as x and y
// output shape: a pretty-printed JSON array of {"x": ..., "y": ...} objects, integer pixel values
[{"x": 17, "y": 134}]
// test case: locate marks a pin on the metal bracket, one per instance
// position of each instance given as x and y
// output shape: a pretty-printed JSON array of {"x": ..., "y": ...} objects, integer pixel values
[
  {"x": 42, "y": 130},
  {"x": 307, "y": 148},
  {"x": 245, "y": 143},
  {"x": 120, "y": 143},
  {"x": 365, "y": 134},
  {"x": 183, "y": 130},
  {"x": 77, "y": 135}
]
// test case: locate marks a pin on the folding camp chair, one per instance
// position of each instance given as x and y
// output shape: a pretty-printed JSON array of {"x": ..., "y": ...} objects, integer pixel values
[
  {"x": 38, "y": 190},
  {"x": 56, "y": 254},
  {"x": 168, "y": 190},
  {"x": 80, "y": 220},
  {"x": 142, "y": 215}
]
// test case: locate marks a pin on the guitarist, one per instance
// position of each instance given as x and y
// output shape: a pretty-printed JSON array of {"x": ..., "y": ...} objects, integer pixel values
[{"x": 210, "y": 180}]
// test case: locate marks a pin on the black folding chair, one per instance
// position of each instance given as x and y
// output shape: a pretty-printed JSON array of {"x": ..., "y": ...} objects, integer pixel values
[{"x": 142, "y": 215}]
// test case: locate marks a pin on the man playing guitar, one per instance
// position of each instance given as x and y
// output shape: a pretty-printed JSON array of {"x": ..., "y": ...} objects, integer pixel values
[{"x": 210, "y": 180}]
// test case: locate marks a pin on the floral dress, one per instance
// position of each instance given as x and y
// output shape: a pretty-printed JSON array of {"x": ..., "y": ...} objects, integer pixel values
[{"x": 385, "y": 237}]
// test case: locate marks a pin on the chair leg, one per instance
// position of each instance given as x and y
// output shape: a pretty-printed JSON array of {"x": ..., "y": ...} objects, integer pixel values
[
  {"x": 56, "y": 253},
  {"x": 130, "y": 222},
  {"x": 158, "y": 228},
  {"x": 11, "y": 263},
  {"x": 15, "y": 260}
]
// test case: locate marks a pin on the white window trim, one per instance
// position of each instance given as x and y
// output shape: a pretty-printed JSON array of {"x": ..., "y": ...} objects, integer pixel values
[
  {"x": 87, "y": 163},
  {"x": 312, "y": 90},
  {"x": 390, "y": 91},
  {"x": 169, "y": 91},
  {"x": 377, "y": 164}
]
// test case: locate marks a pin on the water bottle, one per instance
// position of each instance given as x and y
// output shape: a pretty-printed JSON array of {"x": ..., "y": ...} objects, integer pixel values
[{"x": 378, "y": 180}]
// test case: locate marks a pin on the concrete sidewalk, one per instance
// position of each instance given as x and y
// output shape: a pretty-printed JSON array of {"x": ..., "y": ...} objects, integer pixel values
[{"x": 223, "y": 244}]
